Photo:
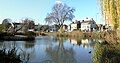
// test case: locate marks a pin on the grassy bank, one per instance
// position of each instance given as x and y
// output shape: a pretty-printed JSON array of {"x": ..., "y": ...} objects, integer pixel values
[
  {"x": 109, "y": 36},
  {"x": 28, "y": 36},
  {"x": 17, "y": 38}
]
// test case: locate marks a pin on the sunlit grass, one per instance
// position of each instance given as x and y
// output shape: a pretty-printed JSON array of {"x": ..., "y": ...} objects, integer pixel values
[{"x": 106, "y": 53}]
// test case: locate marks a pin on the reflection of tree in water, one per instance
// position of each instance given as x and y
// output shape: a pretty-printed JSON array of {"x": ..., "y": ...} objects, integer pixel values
[
  {"x": 105, "y": 53},
  {"x": 1, "y": 45},
  {"x": 25, "y": 53},
  {"x": 29, "y": 44},
  {"x": 59, "y": 54},
  {"x": 28, "y": 52}
]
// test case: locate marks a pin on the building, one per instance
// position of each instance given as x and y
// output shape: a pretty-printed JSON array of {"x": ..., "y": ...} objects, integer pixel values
[
  {"x": 54, "y": 28},
  {"x": 88, "y": 25},
  {"x": 75, "y": 25},
  {"x": 18, "y": 27},
  {"x": 65, "y": 27}
]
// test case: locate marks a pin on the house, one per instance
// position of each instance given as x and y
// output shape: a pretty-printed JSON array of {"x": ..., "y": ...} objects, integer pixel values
[
  {"x": 37, "y": 27},
  {"x": 44, "y": 28},
  {"x": 75, "y": 25},
  {"x": 54, "y": 28},
  {"x": 18, "y": 27},
  {"x": 88, "y": 25},
  {"x": 65, "y": 27}
]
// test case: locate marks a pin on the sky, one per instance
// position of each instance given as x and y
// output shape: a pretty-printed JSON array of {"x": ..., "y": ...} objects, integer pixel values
[{"x": 38, "y": 9}]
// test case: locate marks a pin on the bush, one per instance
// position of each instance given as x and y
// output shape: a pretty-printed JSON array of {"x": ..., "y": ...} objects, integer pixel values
[
  {"x": 105, "y": 53},
  {"x": 9, "y": 56},
  {"x": 5, "y": 34},
  {"x": 30, "y": 34}
]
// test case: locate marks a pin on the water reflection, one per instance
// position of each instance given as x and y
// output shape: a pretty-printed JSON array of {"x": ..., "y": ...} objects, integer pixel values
[
  {"x": 60, "y": 54},
  {"x": 86, "y": 43},
  {"x": 53, "y": 50},
  {"x": 25, "y": 49},
  {"x": 29, "y": 44}
]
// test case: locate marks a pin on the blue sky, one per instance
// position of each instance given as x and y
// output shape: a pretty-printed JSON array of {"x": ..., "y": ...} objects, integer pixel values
[{"x": 38, "y": 9}]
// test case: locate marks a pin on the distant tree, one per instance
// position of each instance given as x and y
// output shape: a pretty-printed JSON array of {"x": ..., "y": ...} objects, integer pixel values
[
  {"x": 60, "y": 13},
  {"x": 44, "y": 28},
  {"x": 28, "y": 24},
  {"x": 1, "y": 27},
  {"x": 6, "y": 24},
  {"x": 31, "y": 24}
]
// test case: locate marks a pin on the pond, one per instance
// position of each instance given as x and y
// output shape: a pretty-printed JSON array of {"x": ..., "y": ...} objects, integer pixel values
[{"x": 53, "y": 50}]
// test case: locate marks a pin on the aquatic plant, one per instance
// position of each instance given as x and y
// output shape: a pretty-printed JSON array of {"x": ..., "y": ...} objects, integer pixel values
[{"x": 9, "y": 56}]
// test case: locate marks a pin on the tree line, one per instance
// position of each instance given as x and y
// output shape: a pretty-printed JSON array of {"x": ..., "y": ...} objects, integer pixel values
[{"x": 9, "y": 26}]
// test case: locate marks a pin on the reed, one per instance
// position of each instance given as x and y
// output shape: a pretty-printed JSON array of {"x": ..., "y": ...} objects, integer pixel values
[
  {"x": 106, "y": 53},
  {"x": 112, "y": 37},
  {"x": 9, "y": 56}
]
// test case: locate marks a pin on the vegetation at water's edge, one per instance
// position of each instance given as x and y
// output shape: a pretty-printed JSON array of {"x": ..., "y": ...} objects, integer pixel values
[
  {"x": 9, "y": 56},
  {"x": 11, "y": 37},
  {"x": 109, "y": 36},
  {"x": 105, "y": 53}
]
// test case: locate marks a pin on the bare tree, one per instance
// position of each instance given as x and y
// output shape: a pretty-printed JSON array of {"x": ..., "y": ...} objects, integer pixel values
[
  {"x": 60, "y": 13},
  {"x": 28, "y": 24}
]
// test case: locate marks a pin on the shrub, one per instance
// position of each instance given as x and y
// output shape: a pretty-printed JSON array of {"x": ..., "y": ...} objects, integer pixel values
[
  {"x": 9, "y": 56},
  {"x": 30, "y": 34}
]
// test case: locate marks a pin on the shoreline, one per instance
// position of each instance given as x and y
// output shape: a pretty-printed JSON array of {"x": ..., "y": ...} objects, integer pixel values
[
  {"x": 16, "y": 38},
  {"x": 111, "y": 37}
]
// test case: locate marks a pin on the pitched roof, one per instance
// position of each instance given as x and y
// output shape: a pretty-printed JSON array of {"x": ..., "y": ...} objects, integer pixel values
[{"x": 89, "y": 22}]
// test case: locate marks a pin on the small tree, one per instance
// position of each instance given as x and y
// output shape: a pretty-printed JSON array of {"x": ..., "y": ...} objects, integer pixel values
[
  {"x": 28, "y": 24},
  {"x": 6, "y": 24},
  {"x": 60, "y": 13}
]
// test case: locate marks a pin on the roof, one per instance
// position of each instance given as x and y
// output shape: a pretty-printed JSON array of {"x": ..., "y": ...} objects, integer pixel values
[
  {"x": 17, "y": 23},
  {"x": 89, "y": 22}
]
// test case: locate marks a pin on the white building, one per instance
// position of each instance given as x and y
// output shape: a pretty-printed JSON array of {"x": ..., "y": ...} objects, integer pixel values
[
  {"x": 88, "y": 25},
  {"x": 73, "y": 26}
]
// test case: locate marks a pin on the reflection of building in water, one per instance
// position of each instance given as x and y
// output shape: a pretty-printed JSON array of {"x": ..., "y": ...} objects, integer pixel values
[
  {"x": 86, "y": 43},
  {"x": 75, "y": 42}
]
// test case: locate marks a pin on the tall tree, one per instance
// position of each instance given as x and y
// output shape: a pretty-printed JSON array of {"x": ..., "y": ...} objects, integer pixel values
[
  {"x": 60, "y": 13},
  {"x": 111, "y": 12}
]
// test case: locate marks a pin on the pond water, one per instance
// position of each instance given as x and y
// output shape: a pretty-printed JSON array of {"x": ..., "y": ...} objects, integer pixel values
[{"x": 53, "y": 50}]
